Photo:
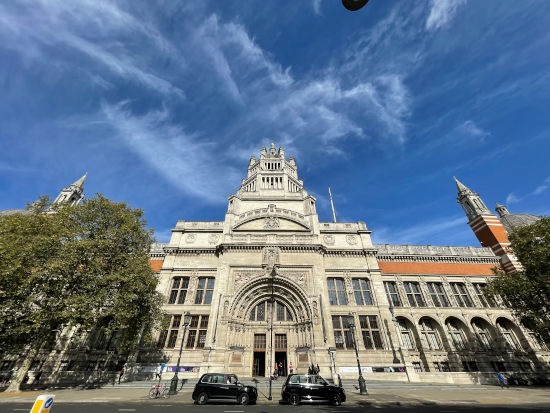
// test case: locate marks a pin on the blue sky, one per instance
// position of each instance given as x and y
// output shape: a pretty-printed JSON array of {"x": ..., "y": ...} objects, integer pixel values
[{"x": 164, "y": 102}]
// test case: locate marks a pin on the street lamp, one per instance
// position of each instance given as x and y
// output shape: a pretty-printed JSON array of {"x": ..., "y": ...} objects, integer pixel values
[
  {"x": 362, "y": 383},
  {"x": 270, "y": 365},
  {"x": 174, "y": 382}
]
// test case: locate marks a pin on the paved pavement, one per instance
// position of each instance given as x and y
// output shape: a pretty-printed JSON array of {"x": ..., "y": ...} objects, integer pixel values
[
  {"x": 164, "y": 406},
  {"x": 410, "y": 396}
]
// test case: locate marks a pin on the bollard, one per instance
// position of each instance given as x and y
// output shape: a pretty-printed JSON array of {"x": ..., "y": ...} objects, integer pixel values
[{"x": 43, "y": 403}]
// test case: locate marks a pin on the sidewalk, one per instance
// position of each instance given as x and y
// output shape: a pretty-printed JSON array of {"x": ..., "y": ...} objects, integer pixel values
[{"x": 518, "y": 396}]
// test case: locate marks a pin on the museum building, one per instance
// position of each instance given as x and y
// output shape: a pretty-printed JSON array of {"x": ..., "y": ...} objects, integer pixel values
[{"x": 271, "y": 285}]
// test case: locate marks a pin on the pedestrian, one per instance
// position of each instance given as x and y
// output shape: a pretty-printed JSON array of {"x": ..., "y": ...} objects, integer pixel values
[
  {"x": 281, "y": 371},
  {"x": 318, "y": 369},
  {"x": 291, "y": 367},
  {"x": 158, "y": 374},
  {"x": 501, "y": 380},
  {"x": 276, "y": 371},
  {"x": 120, "y": 374}
]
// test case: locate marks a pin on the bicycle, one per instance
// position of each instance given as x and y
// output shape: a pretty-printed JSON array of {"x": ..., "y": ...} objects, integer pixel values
[{"x": 158, "y": 390}]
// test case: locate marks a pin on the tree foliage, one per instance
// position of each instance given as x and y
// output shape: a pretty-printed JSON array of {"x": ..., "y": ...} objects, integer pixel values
[
  {"x": 527, "y": 292},
  {"x": 75, "y": 266}
]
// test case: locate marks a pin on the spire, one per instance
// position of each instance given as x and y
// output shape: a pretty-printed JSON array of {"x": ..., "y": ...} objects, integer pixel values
[
  {"x": 73, "y": 194},
  {"x": 80, "y": 182},
  {"x": 461, "y": 187}
]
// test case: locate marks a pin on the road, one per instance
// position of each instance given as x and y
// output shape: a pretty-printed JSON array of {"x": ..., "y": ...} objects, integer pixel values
[{"x": 164, "y": 406}]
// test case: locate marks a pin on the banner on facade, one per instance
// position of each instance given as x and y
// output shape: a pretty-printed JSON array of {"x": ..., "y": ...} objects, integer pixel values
[
  {"x": 183, "y": 369},
  {"x": 368, "y": 369}
]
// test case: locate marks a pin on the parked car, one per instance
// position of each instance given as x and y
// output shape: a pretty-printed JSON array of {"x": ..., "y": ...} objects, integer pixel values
[
  {"x": 219, "y": 386},
  {"x": 302, "y": 388}
]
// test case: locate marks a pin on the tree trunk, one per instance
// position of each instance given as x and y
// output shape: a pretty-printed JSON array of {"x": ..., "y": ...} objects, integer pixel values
[{"x": 20, "y": 374}]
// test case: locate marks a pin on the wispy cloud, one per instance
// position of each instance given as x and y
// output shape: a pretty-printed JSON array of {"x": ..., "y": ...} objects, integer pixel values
[
  {"x": 176, "y": 155},
  {"x": 512, "y": 199},
  {"x": 84, "y": 27},
  {"x": 470, "y": 128},
  {"x": 317, "y": 6},
  {"x": 421, "y": 233},
  {"x": 543, "y": 187},
  {"x": 442, "y": 12}
]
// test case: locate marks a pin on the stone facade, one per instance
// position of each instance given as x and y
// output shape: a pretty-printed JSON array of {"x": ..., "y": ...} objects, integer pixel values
[{"x": 419, "y": 311}]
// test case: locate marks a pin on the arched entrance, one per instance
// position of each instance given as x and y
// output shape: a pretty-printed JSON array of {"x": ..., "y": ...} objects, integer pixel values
[{"x": 271, "y": 319}]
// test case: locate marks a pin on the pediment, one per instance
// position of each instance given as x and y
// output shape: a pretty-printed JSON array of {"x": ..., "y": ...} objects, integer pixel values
[{"x": 270, "y": 223}]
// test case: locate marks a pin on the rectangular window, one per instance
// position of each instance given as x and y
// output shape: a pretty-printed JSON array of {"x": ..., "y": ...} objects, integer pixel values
[
  {"x": 205, "y": 289},
  {"x": 438, "y": 295},
  {"x": 485, "y": 301},
  {"x": 362, "y": 291},
  {"x": 342, "y": 332},
  {"x": 417, "y": 366},
  {"x": 414, "y": 294},
  {"x": 173, "y": 322},
  {"x": 280, "y": 341},
  {"x": 370, "y": 332},
  {"x": 406, "y": 338},
  {"x": 392, "y": 293},
  {"x": 259, "y": 341},
  {"x": 179, "y": 290},
  {"x": 461, "y": 295},
  {"x": 336, "y": 291},
  {"x": 172, "y": 339},
  {"x": 196, "y": 337}
]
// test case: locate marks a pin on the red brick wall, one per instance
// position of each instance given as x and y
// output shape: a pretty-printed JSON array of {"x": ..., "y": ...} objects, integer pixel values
[{"x": 434, "y": 268}]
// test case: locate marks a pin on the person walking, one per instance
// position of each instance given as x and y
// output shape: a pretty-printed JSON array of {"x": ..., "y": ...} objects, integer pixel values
[
  {"x": 158, "y": 374},
  {"x": 501, "y": 380},
  {"x": 281, "y": 371},
  {"x": 318, "y": 369},
  {"x": 291, "y": 367},
  {"x": 120, "y": 374}
]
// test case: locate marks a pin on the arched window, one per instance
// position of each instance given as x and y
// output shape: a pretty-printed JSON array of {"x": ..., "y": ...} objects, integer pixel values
[
  {"x": 482, "y": 334},
  {"x": 406, "y": 335},
  {"x": 428, "y": 335},
  {"x": 259, "y": 311},
  {"x": 505, "y": 328},
  {"x": 456, "y": 334}
]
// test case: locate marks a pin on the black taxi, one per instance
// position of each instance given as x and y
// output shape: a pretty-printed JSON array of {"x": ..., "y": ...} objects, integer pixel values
[
  {"x": 310, "y": 388},
  {"x": 220, "y": 387}
]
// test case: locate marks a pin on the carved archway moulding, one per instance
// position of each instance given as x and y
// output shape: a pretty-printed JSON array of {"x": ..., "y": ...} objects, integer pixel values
[{"x": 258, "y": 289}]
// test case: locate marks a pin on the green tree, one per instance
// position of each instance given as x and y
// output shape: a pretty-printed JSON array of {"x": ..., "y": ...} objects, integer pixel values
[
  {"x": 74, "y": 266},
  {"x": 527, "y": 292}
]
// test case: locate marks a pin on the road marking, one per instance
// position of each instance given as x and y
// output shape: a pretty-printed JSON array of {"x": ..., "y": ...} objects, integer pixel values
[
  {"x": 233, "y": 411},
  {"x": 126, "y": 410}
]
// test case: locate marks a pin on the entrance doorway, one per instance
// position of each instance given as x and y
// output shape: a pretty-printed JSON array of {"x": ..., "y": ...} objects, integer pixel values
[
  {"x": 280, "y": 359},
  {"x": 259, "y": 364}
]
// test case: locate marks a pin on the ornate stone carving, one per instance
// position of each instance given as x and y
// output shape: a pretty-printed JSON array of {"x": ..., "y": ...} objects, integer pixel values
[
  {"x": 242, "y": 277},
  {"x": 329, "y": 239},
  {"x": 190, "y": 238},
  {"x": 193, "y": 280},
  {"x": 299, "y": 277},
  {"x": 270, "y": 257},
  {"x": 271, "y": 223},
  {"x": 213, "y": 239},
  {"x": 351, "y": 239}
]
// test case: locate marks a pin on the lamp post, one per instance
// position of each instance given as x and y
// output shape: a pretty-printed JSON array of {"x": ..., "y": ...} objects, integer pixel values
[
  {"x": 362, "y": 383},
  {"x": 174, "y": 382},
  {"x": 354, "y": 5},
  {"x": 270, "y": 365}
]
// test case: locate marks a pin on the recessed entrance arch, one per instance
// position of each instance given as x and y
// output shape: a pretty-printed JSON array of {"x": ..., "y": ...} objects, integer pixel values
[{"x": 252, "y": 313}]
